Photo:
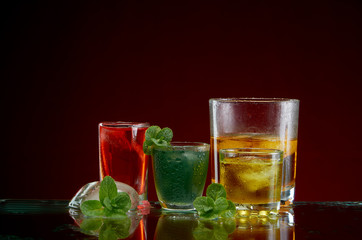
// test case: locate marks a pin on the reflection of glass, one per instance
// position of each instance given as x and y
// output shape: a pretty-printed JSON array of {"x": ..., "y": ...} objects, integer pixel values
[
  {"x": 256, "y": 228},
  {"x": 287, "y": 228},
  {"x": 175, "y": 226},
  {"x": 265, "y": 228},
  {"x": 189, "y": 227},
  {"x": 252, "y": 179},
  {"x": 121, "y": 154},
  {"x": 180, "y": 173},
  {"x": 256, "y": 123}
]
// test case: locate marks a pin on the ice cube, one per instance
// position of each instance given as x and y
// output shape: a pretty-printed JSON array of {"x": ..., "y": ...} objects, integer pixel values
[
  {"x": 258, "y": 177},
  {"x": 90, "y": 191}
]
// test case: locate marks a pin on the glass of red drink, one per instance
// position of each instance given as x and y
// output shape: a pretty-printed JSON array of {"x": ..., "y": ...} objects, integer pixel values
[{"x": 121, "y": 154}]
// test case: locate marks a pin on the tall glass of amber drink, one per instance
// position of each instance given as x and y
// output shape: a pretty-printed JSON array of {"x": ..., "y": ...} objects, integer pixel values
[
  {"x": 252, "y": 178},
  {"x": 256, "y": 123},
  {"x": 121, "y": 154}
]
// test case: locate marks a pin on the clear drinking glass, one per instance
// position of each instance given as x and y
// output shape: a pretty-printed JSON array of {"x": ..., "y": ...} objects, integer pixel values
[
  {"x": 256, "y": 123},
  {"x": 121, "y": 154},
  {"x": 180, "y": 172},
  {"x": 252, "y": 178}
]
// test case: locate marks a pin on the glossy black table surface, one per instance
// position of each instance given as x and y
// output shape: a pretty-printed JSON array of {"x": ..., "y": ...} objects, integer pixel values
[{"x": 52, "y": 219}]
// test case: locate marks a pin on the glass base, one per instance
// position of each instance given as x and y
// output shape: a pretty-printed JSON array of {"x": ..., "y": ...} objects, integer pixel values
[
  {"x": 176, "y": 207},
  {"x": 287, "y": 198},
  {"x": 260, "y": 210}
]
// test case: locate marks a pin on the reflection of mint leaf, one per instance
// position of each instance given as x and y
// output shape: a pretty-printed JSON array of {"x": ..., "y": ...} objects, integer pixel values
[
  {"x": 220, "y": 233},
  {"x": 108, "y": 189},
  {"x": 210, "y": 230},
  {"x": 229, "y": 225},
  {"x": 156, "y": 136},
  {"x": 216, "y": 190},
  {"x": 91, "y": 224},
  {"x": 113, "y": 229},
  {"x": 92, "y": 208},
  {"x": 203, "y": 233}
]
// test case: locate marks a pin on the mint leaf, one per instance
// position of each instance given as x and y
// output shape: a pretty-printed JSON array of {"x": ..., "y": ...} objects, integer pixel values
[
  {"x": 151, "y": 132},
  {"x": 165, "y": 134},
  {"x": 155, "y": 136},
  {"x": 108, "y": 189},
  {"x": 209, "y": 215},
  {"x": 160, "y": 142},
  {"x": 92, "y": 208},
  {"x": 114, "y": 213},
  {"x": 122, "y": 201},
  {"x": 107, "y": 203},
  {"x": 230, "y": 211},
  {"x": 221, "y": 204},
  {"x": 215, "y": 190},
  {"x": 147, "y": 148},
  {"x": 215, "y": 204},
  {"x": 204, "y": 205}
]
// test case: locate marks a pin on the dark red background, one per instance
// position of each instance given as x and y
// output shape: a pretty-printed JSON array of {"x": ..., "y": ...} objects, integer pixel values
[{"x": 71, "y": 65}]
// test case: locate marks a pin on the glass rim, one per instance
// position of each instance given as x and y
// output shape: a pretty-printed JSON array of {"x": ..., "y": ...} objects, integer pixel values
[
  {"x": 179, "y": 145},
  {"x": 254, "y": 151},
  {"x": 253, "y": 100},
  {"x": 123, "y": 124}
]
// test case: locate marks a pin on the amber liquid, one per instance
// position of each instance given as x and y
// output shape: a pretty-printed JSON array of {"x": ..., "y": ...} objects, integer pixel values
[
  {"x": 251, "y": 181},
  {"x": 257, "y": 141},
  {"x": 122, "y": 156}
]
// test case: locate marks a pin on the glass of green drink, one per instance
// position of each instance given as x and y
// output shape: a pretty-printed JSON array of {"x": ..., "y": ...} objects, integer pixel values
[{"x": 180, "y": 173}]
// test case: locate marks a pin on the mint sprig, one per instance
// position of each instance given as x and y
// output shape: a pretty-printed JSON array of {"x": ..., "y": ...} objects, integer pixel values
[
  {"x": 111, "y": 203},
  {"x": 215, "y": 204},
  {"x": 155, "y": 136}
]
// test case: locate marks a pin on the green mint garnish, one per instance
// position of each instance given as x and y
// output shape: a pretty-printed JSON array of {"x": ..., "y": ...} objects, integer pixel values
[
  {"x": 111, "y": 203},
  {"x": 155, "y": 136},
  {"x": 92, "y": 208},
  {"x": 215, "y": 191},
  {"x": 215, "y": 204}
]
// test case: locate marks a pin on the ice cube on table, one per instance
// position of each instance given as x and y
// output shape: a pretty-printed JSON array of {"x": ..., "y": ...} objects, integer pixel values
[{"x": 90, "y": 191}]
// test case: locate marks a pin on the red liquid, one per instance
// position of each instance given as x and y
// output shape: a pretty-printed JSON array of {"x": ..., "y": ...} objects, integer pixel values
[{"x": 122, "y": 157}]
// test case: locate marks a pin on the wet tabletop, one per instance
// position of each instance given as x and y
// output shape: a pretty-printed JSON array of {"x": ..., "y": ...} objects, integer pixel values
[{"x": 51, "y": 219}]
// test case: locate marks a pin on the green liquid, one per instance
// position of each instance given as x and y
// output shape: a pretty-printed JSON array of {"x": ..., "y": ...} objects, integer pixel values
[{"x": 180, "y": 176}]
